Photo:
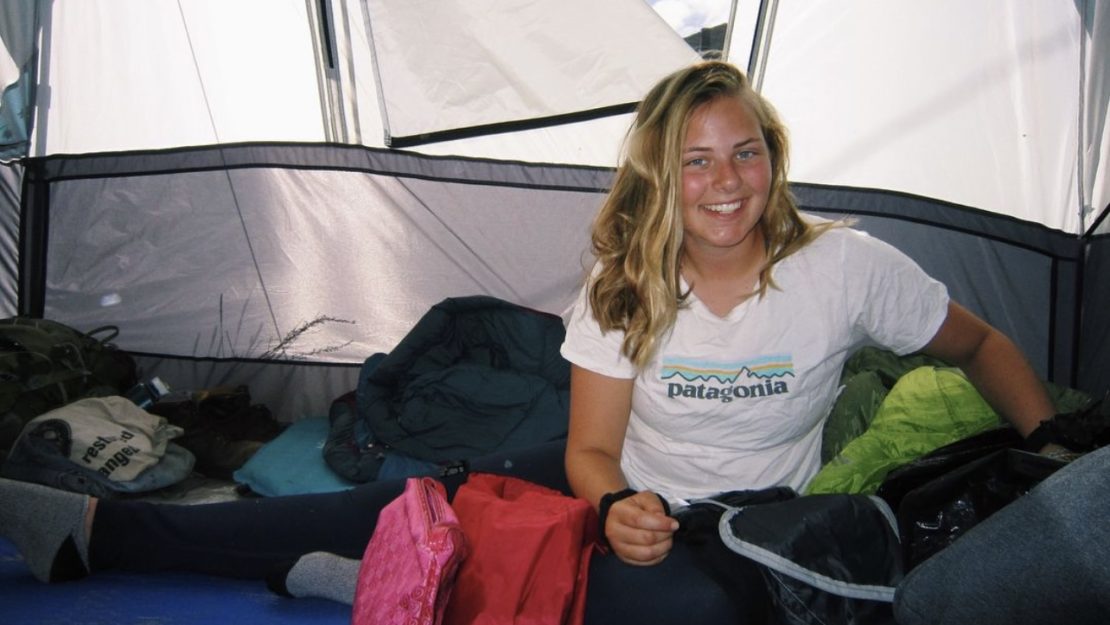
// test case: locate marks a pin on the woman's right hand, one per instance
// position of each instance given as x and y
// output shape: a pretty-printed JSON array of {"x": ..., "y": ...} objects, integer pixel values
[{"x": 639, "y": 530}]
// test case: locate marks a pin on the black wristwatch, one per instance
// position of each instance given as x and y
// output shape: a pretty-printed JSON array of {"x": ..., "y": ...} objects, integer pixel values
[{"x": 1039, "y": 437}]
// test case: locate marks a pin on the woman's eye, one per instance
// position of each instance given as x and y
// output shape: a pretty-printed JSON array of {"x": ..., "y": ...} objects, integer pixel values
[
  {"x": 746, "y": 155},
  {"x": 695, "y": 162}
]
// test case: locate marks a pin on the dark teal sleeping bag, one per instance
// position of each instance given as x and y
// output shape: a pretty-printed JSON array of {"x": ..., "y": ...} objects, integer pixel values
[{"x": 475, "y": 375}]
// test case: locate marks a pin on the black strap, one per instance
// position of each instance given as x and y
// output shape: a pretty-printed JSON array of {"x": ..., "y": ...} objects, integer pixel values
[{"x": 1039, "y": 437}]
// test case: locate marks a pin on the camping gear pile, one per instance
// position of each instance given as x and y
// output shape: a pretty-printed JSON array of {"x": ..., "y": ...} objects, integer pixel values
[{"x": 267, "y": 208}]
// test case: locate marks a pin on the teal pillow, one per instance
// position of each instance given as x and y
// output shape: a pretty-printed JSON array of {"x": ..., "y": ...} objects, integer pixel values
[{"x": 293, "y": 463}]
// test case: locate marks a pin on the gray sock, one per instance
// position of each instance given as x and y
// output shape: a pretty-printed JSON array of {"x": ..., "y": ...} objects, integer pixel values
[
  {"x": 42, "y": 522},
  {"x": 324, "y": 575}
]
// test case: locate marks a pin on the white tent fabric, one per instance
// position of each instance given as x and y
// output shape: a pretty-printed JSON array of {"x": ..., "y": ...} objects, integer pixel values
[
  {"x": 976, "y": 103},
  {"x": 195, "y": 72},
  {"x": 215, "y": 175},
  {"x": 1095, "y": 120},
  {"x": 444, "y": 66},
  {"x": 201, "y": 72},
  {"x": 1003, "y": 84}
]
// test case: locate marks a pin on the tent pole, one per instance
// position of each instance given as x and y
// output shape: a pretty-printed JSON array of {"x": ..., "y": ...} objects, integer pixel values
[
  {"x": 727, "y": 45},
  {"x": 761, "y": 42},
  {"x": 324, "y": 26},
  {"x": 1081, "y": 121},
  {"x": 1097, "y": 222},
  {"x": 386, "y": 134},
  {"x": 34, "y": 221},
  {"x": 319, "y": 29},
  {"x": 1077, "y": 315}
]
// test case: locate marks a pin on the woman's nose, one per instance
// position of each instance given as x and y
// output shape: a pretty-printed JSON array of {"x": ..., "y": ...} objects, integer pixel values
[{"x": 726, "y": 178}]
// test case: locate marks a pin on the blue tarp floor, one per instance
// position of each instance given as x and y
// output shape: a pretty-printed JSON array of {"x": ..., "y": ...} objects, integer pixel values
[{"x": 163, "y": 599}]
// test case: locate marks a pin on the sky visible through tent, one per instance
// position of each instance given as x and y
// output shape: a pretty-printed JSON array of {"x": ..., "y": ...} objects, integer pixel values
[{"x": 690, "y": 16}]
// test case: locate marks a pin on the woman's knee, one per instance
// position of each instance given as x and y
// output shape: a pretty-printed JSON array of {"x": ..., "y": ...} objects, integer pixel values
[{"x": 676, "y": 590}]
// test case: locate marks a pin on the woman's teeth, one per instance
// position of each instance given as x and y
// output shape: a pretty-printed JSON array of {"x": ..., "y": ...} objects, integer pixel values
[{"x": 722, "y": 208}]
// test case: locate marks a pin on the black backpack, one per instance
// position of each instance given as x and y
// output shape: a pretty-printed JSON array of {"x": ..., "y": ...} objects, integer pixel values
[{"x": 45, "y": 364}]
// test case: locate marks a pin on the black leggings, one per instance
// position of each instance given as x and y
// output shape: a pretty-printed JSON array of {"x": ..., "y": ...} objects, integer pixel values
[{"x": 254, "y": 538}]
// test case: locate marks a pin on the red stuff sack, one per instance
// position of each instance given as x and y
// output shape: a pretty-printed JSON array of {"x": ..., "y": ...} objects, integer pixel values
[{"x": 530, "y": 548}]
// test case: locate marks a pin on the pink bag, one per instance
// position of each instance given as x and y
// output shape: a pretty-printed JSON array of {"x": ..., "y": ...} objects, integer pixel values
[{"x": 409, "y": 567}]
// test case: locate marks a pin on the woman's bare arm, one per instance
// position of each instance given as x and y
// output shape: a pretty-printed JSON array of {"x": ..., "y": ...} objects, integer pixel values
[
  {"x": 637, "y": 527},
  {"x": 995, "y": 366}
]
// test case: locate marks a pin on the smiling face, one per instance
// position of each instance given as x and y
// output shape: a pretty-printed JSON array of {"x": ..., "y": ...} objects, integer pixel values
[{"x": 726, "y": 176}]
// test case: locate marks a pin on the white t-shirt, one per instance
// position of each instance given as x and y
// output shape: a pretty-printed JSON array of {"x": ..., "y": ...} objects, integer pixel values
[{"x": 739, "y": 402}]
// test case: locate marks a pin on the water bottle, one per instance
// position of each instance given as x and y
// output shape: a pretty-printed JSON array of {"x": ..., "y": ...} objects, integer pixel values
[{"x": 145, "y": 394}]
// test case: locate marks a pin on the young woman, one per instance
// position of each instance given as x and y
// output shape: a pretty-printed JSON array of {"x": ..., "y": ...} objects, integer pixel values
[
  {"x": 708, "y": 342},
  {"x": 706, "y": 349}
]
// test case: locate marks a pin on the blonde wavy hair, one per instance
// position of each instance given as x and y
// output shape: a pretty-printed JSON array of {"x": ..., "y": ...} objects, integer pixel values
[{"x": 637, "y": 235}]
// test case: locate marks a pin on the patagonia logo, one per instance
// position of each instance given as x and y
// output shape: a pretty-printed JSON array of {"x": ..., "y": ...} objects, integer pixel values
[{"x": 724, "y": 382}]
